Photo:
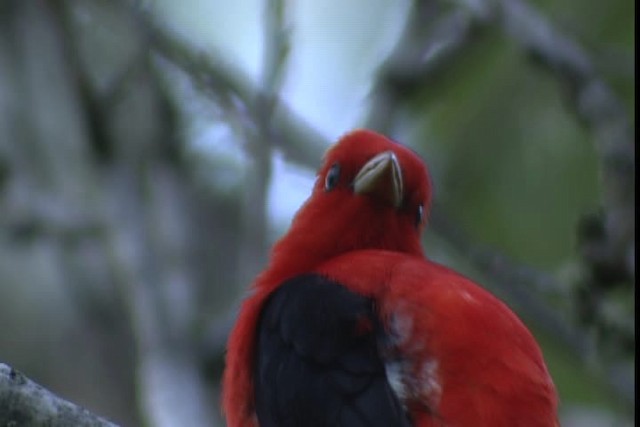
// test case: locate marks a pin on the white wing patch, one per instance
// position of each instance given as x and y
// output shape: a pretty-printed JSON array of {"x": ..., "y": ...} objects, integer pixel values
[
  {"x": 411, "y": 376},
  {"x": 395, "y": 377},
  {"x": 429, "y": 385}
]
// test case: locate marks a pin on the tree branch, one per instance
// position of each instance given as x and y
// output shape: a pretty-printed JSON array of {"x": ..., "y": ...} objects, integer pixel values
[
  {"x": 596, "y": 106},
  {"x": 431, "y": 42},
  {"x": 25, "y": 403},
  {"x": 260, "y": 137},
  {"x": 299, "y": 142}
]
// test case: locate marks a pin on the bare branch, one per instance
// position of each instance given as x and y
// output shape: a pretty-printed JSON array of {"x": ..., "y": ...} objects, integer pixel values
[
  {"x": 299, "y": 142},
  {"x": 149, "y": 264},
  {"x": 277, "y": 47},
  {"x": 431, "y": 43},
  {"x": 596, "y": 105},
  {"x": 260, "y": 136},
  {"x": 23, "y": 402}
]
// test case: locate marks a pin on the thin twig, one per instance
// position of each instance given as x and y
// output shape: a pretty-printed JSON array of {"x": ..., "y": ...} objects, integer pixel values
[{"x": 277, "y": 46}]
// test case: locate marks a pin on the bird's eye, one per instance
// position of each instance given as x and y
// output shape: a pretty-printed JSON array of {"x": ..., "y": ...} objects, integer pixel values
[
  {"x": 332, "y": 177},
  {"x": 419, "y": 215}
]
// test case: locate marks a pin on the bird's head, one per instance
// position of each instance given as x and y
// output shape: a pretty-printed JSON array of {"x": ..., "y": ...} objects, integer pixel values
[
  {"x": 370, "y": 193},
  {"x": 380, "y": 188}
]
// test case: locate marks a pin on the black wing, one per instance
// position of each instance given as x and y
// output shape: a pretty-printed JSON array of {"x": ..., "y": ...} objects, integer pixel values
[{"x": 317, "y": 361}]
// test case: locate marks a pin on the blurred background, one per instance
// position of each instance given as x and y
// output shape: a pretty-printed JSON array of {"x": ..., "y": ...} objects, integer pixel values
[{"x": 151, "y": 152}]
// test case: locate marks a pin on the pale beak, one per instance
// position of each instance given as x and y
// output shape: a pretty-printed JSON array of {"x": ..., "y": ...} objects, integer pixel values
[{"x": 381, "y": 178}]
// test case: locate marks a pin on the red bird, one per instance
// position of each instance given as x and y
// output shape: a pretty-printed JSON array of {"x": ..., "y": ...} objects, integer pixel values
[{"x": 350, "y": 325}]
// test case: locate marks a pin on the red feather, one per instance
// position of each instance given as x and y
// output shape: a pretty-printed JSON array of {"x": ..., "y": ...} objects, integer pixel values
[{"x": 469, "y": 361}]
